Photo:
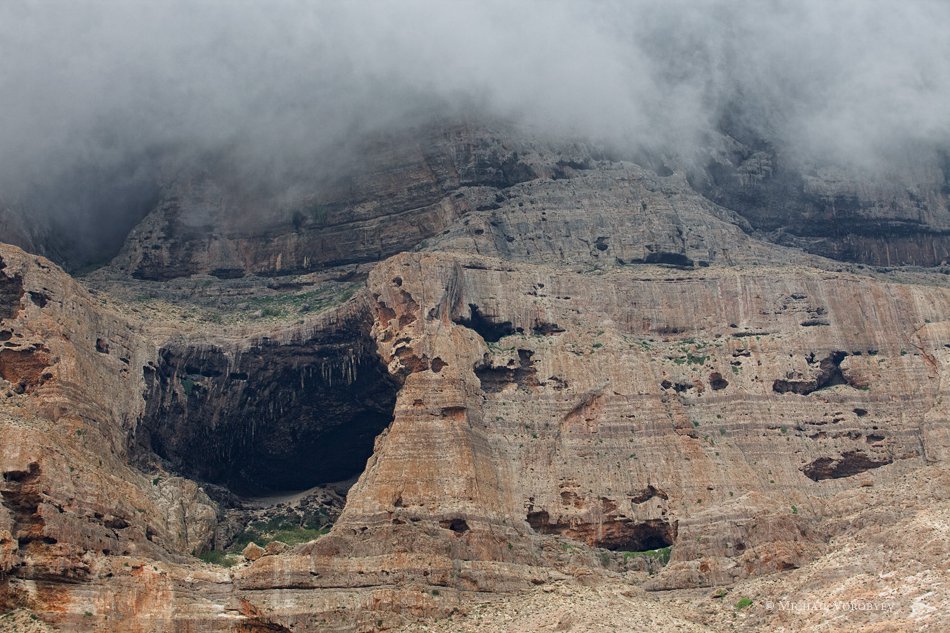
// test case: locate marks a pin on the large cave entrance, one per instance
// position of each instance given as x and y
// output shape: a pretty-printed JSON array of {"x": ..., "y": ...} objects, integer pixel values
[{"x": 275, "y": 418}]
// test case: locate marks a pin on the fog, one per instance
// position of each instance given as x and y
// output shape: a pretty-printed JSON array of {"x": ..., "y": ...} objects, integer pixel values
[{"x": 93, "y": 94}]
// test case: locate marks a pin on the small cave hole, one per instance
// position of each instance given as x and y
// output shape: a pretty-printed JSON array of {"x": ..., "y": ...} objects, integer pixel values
[
  {"x": 457, "y": 525},
  {"x": 717, "y": 382},
  {"x": 39, "y": 299},
  {"x": 848, "y": 464},
  {"x": 631, "y": 536},
  {"x": 829, "y": 375},
  {"x": 485, "y": 325}
]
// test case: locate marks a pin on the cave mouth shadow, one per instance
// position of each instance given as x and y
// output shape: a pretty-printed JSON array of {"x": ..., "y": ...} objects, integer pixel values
[
  {"x": 619, "y": 534},
  {"x": 640, "y": 536},
  {"x": 279, "y": 418},
  {"x": 316, "y": 458}
]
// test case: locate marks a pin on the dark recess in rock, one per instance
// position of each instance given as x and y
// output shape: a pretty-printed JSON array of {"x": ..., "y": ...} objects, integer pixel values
[
  {"x": 546, "y": 329},
  {"x": 277, "y": 417},
  {"x": 618, "y": 534},
  {"x": 39, "y": 299},
  {"x": 630, "y": 536},
  {"x": 492, "y": 171},
  {"x": 116, "y": 523},
  {"x": 539, "y": 520},
  {"x": 830, "y": 374},
  {"x": 486, "y": 327},
  {"x": 495, "y": 379},
  {"x": 459, "y": 526},
  {"x": 648, "y": 493},
  {"x": 848, "y": 464},
  {"x": 227, "y": 273},
  {"x": 717, "y": 382},
  {"x": 11, "y": 291},
  {"x": 677, "y": 260},
  {"x": 22, "y": 495}
]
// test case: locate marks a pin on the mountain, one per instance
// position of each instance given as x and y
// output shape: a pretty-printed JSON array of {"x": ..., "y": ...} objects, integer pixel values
[{"x": 542, "y": 372}]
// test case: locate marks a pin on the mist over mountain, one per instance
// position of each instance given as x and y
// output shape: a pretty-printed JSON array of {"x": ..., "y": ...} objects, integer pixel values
[
  {"x": 103, "y": 99},
  {"x": 474, "y": 315}
]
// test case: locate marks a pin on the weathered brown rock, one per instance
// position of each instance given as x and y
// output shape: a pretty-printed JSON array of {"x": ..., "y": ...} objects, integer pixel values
[
  {"x": 68, "y": 490},
  {"x": 276, "y": 547},
  {"x": 253, "y": 551},
  {"x": 590, "y": 403}
]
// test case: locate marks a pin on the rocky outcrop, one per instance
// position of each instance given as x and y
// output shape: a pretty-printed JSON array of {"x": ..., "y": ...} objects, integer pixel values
[
  {"x": 596, "y": 389},
  {"x": 386, "y": 193},
  {"x": 884, "y": 216},
  {"x": 582, "y": 361},
  {"x": 69, "y": 494},
  {"x": 403, "y": 189}
]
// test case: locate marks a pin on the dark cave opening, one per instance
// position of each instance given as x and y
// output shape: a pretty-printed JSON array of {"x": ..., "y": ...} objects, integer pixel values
[
  {"x": 275, "y": 418},
  {"x": 617, "y": 534},
  {"x": 830, "y": 374},
  {"x": 643, "y": 536},
  {"x": 485, "y": 325},
  {"x": 11, "y": 291},
  {"x": 847, "y": 464}
]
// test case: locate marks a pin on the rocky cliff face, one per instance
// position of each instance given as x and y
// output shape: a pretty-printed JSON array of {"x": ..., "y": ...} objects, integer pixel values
[
  {"x": 581, "y": 362},
  {"x": 401, "y": 191},
  {"x": 387, "y": 193},
  {"x": 71, "y": 371},
  {"x": 899, "y": 215}
]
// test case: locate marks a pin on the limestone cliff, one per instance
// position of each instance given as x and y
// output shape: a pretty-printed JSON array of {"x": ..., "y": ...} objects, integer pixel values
[{"x": 545, "y": 365}]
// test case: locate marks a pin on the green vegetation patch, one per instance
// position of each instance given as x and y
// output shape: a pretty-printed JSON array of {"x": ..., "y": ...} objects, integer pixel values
[
  {"x": 662, "y": 555},
  {"x": 293, "y": 304},
  {"x": 222, "y": 559},
  {"x": 292, "y": 530}
]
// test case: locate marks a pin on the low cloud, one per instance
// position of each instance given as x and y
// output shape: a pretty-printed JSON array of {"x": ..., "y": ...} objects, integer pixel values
[{"x": 103, "y": 91}]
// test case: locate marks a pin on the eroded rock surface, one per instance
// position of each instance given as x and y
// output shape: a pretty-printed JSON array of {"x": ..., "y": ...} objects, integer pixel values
[{"x": 582, "y": 362}]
